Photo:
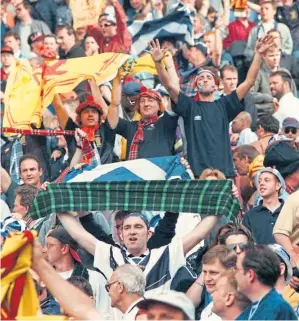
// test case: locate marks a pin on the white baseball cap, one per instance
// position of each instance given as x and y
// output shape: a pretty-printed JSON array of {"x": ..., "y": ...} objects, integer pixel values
[
  {"x": 174, "y": 299},
  {"x": 281, "y": 252}
]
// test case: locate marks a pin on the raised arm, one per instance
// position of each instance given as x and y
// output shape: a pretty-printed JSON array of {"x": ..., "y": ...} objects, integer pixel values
[
  {"x": 194, "y": 293},
  {"x": 201, "y": 231},
  {"x": 113, "y": 113},
  {"x": 262, "y": 45},
  {"x": 61, "y": 113},
  {"x": 73, "y": 301},
  {"x": 5, "y": 180},
  {"x": 77, "y": 232},
  {"x": 158, "y": 54},
  {"x": 97, "y": 96}
]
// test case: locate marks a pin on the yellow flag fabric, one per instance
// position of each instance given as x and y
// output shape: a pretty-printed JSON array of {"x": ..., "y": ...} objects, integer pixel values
[
  {"x": 22, "y": 97},
  {"x": 18, "y": 293},
  {"x": 146, "y": 64},
  {"x": 62, "y": 76},
  {"x": 86, "y": 12}
]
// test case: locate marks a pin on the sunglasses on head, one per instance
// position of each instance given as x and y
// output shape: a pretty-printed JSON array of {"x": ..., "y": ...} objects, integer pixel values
[
  {"x": 290, "y": 129},
  {"x": 242, "y": 246}
]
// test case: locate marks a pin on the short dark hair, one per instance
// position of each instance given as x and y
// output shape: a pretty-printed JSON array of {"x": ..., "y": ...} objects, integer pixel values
[
  {"x": 211, "y": 10},
  {"x": 246, "y": 151},
  {"x": 121, "y": 215},
  {"x": 12, "y": 34},
  {"x": 229, "y": 68},
  {"x": 269, "y": 123},
  {"x": 273, "y": 30},
  {"x": 285, "y": 76},
  {"x": 51, "y": 36},
  {"x": 264, "y": 262},
  {"x": 81, "y": 283},
  {"x": 26, "y": 5},
  {"x": 29, "y": 156},
  {"x": 70, "y": 30},
  {"x": 27, "y": 194}
]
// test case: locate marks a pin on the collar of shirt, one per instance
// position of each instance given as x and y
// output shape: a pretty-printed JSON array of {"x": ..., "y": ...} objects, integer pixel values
[
  {"x": 128, "y": 254},
  {"x": 132, "y": 306},
  {"x": 261, "y": 207}
]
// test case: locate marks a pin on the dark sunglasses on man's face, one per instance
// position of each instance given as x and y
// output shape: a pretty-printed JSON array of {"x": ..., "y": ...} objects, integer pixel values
[
  {"x": 105, "y": 25},
  {"x": 242, "y": 246},
  {"x": 290, "y": 129}
]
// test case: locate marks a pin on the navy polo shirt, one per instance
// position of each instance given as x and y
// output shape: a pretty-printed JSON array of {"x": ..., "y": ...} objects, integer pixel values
[
  {"x": 159, "y": 137},
  {"x": 271, "y": 307},
  {"x": 260, "y": 221},
  {"x": 207, "y": 131}
]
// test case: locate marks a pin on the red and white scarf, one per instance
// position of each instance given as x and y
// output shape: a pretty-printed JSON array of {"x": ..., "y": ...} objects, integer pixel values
[{"x": 139, "y": 136}]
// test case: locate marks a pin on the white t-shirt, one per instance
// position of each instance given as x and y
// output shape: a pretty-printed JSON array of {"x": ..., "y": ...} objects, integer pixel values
[
  {"x": 65, "y": 275},
  {"x": 208, "y": 314},
  {"x": 247, "y": 136},
  {"x": 160, "y": 264}
]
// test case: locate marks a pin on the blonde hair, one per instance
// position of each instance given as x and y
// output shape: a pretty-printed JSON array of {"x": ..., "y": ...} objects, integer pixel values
[{"x": 210, "y": 172}]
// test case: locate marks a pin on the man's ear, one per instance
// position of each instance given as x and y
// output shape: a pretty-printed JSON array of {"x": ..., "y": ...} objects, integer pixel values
[
  {"x": 149, "y": 234},
  {"x": 121, "y": 236}
]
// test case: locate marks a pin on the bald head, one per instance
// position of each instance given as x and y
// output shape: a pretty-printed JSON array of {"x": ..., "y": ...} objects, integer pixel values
[{"x": 241, "y": 122}]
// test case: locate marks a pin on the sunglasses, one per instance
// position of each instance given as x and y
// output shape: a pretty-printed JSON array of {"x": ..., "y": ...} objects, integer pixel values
[
  {"x": 105, "y": 25},
  {"x": 290, "y": 129},
  {"x": 108, "y": 286},
  {"x": 242, "y": 246}
]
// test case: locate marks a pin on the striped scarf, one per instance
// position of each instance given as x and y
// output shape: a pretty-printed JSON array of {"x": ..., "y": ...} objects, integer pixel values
[
  {"x": 139, "y": 136},
  {"x": 15, "y": 156}
]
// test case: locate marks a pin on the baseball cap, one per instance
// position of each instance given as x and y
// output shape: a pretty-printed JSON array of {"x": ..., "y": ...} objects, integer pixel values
[
  {"x": 281, "y": 252},
  {"x": 63, "y": 237},
  {"x": 200, "y": 46},
  {"x": 274, "y": 172},
  {"x": 174, "y": 299},
  {"x": 141, "y": 216},
  {"x": 109, "y": 15},
  {"x": 290, "y": 122},
  {"x": 35, "y": 36},
  {"x": 7, "y": 50},
  {"x": 162, "y": 90},
  {"x": 132, "y": 88}
]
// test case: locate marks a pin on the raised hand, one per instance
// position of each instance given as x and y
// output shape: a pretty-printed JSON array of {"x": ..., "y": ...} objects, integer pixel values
[
  {"x": 264, "y": 44},
  {"x": 156, "y": 51},
  {"x": 79, "y": 136}
]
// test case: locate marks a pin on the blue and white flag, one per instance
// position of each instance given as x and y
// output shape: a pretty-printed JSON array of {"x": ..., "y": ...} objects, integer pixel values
[
  {"x": 160, "y": 168},
  {"x": 177, "y": 24}
]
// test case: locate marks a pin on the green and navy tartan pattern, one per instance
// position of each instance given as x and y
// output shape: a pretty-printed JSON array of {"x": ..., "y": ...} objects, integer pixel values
[{"x": 211, "y": 197}]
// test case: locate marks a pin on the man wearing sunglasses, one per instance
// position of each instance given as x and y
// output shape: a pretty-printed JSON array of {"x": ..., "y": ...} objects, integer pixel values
[
  {"x": 291, "y": 129},
  {"x": 111, "y": 33}
]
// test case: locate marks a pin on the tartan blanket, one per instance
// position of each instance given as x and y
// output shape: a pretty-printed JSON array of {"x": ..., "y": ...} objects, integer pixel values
[{"x": 211, "y": 197}]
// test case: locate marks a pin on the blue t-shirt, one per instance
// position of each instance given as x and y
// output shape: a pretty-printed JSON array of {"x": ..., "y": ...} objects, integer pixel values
[{"x": 271, "y": 307}]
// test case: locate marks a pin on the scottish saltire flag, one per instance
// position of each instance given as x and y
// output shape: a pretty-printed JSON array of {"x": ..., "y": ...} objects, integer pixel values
[
  {"x": 177, "y": 24},
  {"x": 160, "y": 168}
]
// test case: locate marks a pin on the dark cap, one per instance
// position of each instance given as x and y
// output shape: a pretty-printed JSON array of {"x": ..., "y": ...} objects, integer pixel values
[
  {"x": 132, "y": 88},
  {"x": 35, "y": 36},
  {"x": 201, "y": 47},
  {"x": 61, "y": 235},
  {"x": 7, "y": 50},
  {"x": 290, "y": 122},
  {"x": 141, "y": 216}
]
